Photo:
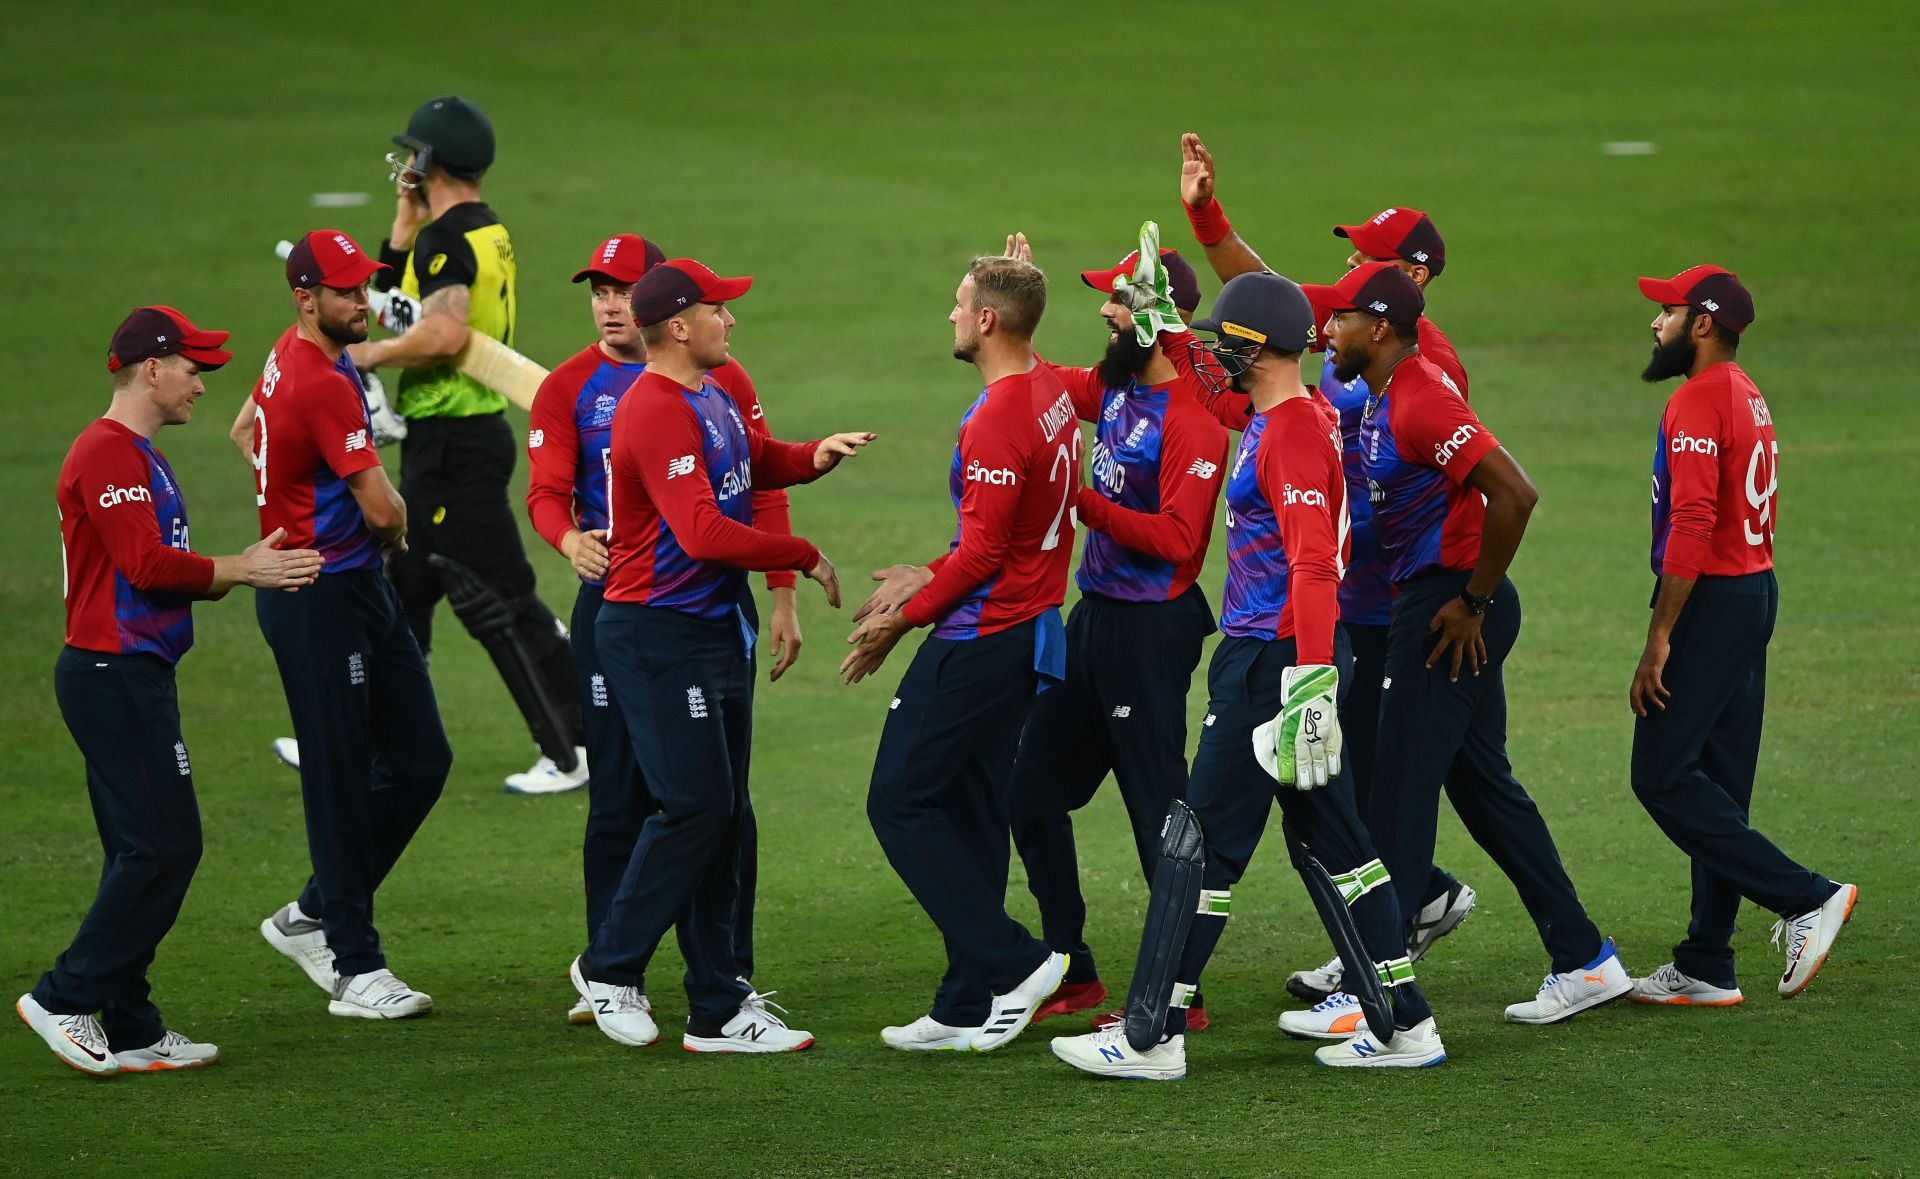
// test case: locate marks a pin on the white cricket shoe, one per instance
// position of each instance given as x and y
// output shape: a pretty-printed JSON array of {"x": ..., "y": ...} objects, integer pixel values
[
  {"x": 1567, "y": 994},
  {"x": 544, "y": 777},
  {"x": 170, "y": 1051},
  {"x": 1338, "y": 1017},
  {"x": 1670, "y": 987},
  {"x": 287, "y": 750},
  {"x": 1438, "y": 918},
  {"x": 76, "y": 1039},
  {"x": 1106, "y": 1053},
  {"x": 1013, "y": 1011},
  {"x": 1417, "y": 1047},
  {"x": 754, "y": 1028},
  {"x": 928, "y": 1034},
  {"x": 302, "y": 939},
  {"x": 623, "y": 1013},
  {"x": 1810, "y": 936},
  {"x": 377, "y": 994},
  {"x": 1311, "y": 986},
  {"x": 581, "y": 1012}
]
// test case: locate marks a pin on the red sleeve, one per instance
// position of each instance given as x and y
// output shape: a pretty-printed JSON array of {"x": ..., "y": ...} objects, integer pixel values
[
  {"x": 1693, "y": 486},
  {"x": 1435, "y": 346},
  {"x": 771, "y": 510},
  {"x": 1083, "y": 386},
  {"x": 129, "y": 530},
  {"x": 987, "y": 509},
  {"x": 673, "y": 469},
  {"x": 1192, "y": 453},
  {"x": 1306, "y": 459},
  {"x": 1230, "y": 409},
  {"x": 336, "y": 421},
  {"x": 553, "y": 454},
  {"x": 1435, "y": 427}
]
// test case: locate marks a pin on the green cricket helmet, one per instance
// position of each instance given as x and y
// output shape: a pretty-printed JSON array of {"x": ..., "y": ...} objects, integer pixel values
[{"x": 449, "y": 131}]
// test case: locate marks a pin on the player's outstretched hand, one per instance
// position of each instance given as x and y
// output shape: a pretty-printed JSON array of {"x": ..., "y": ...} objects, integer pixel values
[
  {"x": 835, "y": 447},
  {"x": 872, "y": 641},
  {"x": 1018, "y": 248},
  {"x": 268, "y": 566},
  {"x": 1649, "y": 690},
  {"x": 823, "y": 573},
  {"x": 898, "y": 584},
  {"x": 588, "y": 552},
  {"x": 1460, "y": 637},
  {"x": 1196, "y": 171},
  {"x": 783, "y": 636}
]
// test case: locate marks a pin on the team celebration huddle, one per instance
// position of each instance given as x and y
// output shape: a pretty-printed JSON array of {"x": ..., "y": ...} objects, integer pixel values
[{"x": 1364, "y": 610}]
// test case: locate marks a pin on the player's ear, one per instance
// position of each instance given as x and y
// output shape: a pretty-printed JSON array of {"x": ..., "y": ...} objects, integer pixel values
[
  {"x": 989, "y": 319},
  {"x": 1419, "y": 274}
]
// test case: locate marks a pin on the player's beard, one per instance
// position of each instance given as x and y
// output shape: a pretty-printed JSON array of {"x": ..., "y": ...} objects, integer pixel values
[
  {"x": 1126, "y": 358},
  {"x": 1671, "y": 358},
  {"x": 1347, "y": 364},
  {"x": 966, "y": 350},
  {"x": 343, "y": 331}
]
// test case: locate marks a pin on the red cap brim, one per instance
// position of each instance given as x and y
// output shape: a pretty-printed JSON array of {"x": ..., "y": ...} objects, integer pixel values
[
  {"x": 726, "y": 290},
  {"x": 616, "y": 274},
  {"x": 208, "y": 358},
  {"x": 358, "y": 270},
  {"x": 1326, "y": 299},
  {"x": 1663, "y": 292},
  {"x": 1367, "y": 240}
]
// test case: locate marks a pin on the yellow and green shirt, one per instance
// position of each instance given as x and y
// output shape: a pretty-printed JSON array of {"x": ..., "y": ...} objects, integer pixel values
[{"x": 465, "y": 246}]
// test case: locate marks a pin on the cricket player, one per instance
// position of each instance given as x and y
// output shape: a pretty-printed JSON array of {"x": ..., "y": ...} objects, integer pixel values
[
  {"x": 449, "y": 250},
  {"x": 1408, "y": 239},
  {"x": 131, "y": 579},
  {"x": 674, "y": 646},
  {"x": 567, "y": 449},
  {"x": 1272, "y": 721},
  {"x": 1450, "y": 506},
  {"x": 1700, "y": 690},
  {"x": 938, "y": 800},
  {"x": 374, "y": 755},
  {"x": 1148, "y": 511}
]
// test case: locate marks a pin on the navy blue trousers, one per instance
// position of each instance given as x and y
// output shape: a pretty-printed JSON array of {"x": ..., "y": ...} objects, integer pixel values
[
  {"x": 938, "y": 805},
  {"x": 1233, "y": 798},
  {"x": 684, "y": 686},
  {"x": 1122, "y": 710},
  {"x": 373, "y": 754},
  {"x": 1693, "y": 768},
  {"x": 124, "y": 714},
  {"x": 1433, "y": 731},
  {"x": 1360, "y": 725}
]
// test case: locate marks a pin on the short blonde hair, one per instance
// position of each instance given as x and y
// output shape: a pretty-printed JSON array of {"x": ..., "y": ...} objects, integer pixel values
[{"x": 1016, "y": 290}]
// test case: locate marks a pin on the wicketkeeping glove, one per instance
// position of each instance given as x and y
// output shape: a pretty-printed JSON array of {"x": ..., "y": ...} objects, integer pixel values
[
  {"x": 1148, "y": 292},
  {"x": 1301, "y": 747}
]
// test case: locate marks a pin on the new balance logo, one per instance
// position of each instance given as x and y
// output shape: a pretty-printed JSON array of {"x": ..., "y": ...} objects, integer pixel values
[
  {"x": 1365, "y": 1047},
  {"x": 535, "y": 438},
  {"x": 696, "y": 703},
  {"x": 1113, "y": 1053},
  {"x": 1443, "y": 452},
  {"x": 1204, "y": 469},
  {"x": 1709, "y": 304},
  {"x": 1208, "y": 722},
  {"x": 1377, "y": 305},
  {"x": 680, "y": 466},
  {"x": 1123, "y": 711},
  {"x": 894, "y": 705},
  {"x": 356, "y": 441},
  {"x": 752, "y": 1031}
]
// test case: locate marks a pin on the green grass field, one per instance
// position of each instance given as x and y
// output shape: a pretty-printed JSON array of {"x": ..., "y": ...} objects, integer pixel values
[{"x": 853, "y": 158}]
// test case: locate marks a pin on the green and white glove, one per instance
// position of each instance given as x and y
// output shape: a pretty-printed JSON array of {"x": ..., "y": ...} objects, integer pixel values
[
  {"x": 1148, "y": 292},
  {"x": 1301, "y": 747}
]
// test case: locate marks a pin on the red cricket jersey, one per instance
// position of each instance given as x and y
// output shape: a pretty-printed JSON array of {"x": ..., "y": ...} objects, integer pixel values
[
  {"x": 130, "y": 575},
  {"x": 1013, "y": 481},
  {"x": 310, "y": 432},
  {"x": 1716, "y": 478},
  {"x": 1419, "y": 443}
]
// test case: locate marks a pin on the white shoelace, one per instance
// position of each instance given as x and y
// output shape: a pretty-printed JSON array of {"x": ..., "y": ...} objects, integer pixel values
[
  {"x": 1336, "y": 1001},
  {"x": 760, "y": 1001},
  {"x": 84, "y": 1031},
  {"x": 1669, "y": 976},
  {"x": 1797, "y": 930},
  {"x": 629, "y": 999}
]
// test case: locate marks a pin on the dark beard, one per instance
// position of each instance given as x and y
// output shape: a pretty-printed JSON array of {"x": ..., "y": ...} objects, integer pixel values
[
  {"x": 1347, "y": 366},
  {"x": 1673, "y": 359},
  {"x": 343, "y": 332},
  {"x": 1125, "y": 359}
]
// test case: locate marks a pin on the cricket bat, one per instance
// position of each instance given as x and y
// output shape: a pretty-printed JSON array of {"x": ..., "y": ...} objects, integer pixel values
[{"x": 484, "y": 358}]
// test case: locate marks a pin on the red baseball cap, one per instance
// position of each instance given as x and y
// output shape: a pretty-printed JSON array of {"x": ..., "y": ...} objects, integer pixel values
[
  {"x": 329, "y": 258},
  {"x": 1377, "y": 288},
  {"x": 1407, "y": 234},
  {"x": 1714, "y": 290},
  {"x": 162, "y": 331},
  {"x": 624, "y": 257},
  {"x": 1180, "y": 276},
  {"x": 668, "y": 288}
]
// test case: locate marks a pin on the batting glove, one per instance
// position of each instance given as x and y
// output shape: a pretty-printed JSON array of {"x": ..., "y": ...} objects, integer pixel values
[{"x": 1301, "y": 747}]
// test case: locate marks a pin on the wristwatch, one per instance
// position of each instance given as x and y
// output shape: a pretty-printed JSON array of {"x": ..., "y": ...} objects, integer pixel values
[{"x": 1476, "y": 606}]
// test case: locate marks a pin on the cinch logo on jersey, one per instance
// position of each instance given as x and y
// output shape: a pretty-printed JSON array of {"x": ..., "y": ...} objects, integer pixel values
[
  {"x": 1312, "y": 497},
  {"x": 680, "y": 466},
  {"x": 357, "y": 440},
  {"x": 137, "y": 494},
  {"x": 1057, "y": 416},
  {"x": 1443, "y": 452},
  {"x": 1204, "y": 469},
  {"x": 1693, "y": 444},
  {"x": 994, "y": 476},
  {"x": 1108, "y": 470},
  {"x": 736, "y": 481}
]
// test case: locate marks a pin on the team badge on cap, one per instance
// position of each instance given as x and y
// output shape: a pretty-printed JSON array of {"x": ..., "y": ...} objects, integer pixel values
[
  {"x": 669, "y": 288},
  {"x": 329, "y": 258},
  {"x": 1717, "y": 291},
  {"x": 1407, "y": 234},
  {"x": 624, "y": 257},
  {"x": 161, "y": 331},
  {"x": 1377, "y": 288}
]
